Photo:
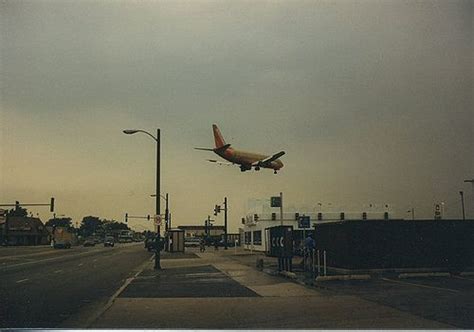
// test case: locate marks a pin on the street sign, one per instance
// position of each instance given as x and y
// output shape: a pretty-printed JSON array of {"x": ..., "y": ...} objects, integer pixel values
[
  {"x": 275, "y": 201},
  {"x": 157, "y": 219},
  {"x": 304, "y": 222}
]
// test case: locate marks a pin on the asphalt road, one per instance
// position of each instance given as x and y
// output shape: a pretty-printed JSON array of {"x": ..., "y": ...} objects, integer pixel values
[{"x": 47, "y": 288}]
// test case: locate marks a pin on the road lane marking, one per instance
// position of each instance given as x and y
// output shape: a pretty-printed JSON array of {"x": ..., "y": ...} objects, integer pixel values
[
  {"x": 58, "y": 271},
  {"x": 22, "y": 280},
  {"x": 81, "y": 264},
  {"x": 418, "y": 285}
]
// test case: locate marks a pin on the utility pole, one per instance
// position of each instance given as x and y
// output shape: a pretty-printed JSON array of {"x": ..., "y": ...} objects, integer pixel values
[
  {"x": 217, "y": 210},
  {"x": 157, "y": 203},
  {"x": 462, "y": 205},
  {"x": 225, "y": 223},
  {"x": 167, "y": 214},
  {"x": 281, "y": 209},
  {"x": 157, "y": 189}
]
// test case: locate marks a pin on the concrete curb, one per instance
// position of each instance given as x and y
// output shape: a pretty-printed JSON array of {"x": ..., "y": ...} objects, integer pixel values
[
  {"x": 344, "y": 277},
  {"x": 426, "y": 274}
]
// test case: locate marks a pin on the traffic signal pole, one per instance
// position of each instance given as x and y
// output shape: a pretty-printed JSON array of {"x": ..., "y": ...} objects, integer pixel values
[
  {"x": 225, "y": 223},
  {"x": 281, "y": 209},
  {"x": 157, "y": 203}
]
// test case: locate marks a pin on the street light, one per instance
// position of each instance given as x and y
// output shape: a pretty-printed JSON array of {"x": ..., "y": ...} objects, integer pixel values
[{"x": 157, "y": 203}]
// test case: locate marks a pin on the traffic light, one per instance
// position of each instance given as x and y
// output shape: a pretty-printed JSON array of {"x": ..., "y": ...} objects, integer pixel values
[
  {"x": 51, "y": 206},
  {"x": 255, "y": 217},
  {"x": 320, "y": 216},
  {"x": 385, "y": 215},
  {"x": 297, "y": 216},
  {"x": 342, "y": 215},
  {"x": 364, "y": 215},
  {"x": 217, "y": 209},
  {"x": 274, "y": 216},
  {"x": 126, "y": 217}
]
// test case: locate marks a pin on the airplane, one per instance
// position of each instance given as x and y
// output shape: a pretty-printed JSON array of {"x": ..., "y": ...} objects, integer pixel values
[{"x": 245, "y": 160}]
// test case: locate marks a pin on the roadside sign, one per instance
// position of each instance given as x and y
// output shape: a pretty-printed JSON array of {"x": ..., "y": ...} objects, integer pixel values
[
  {"x": 304, "y": 222},
  {"x": 157, "y": 219},
  {"x": 281, "y": 241},
  {"x": 275, "y": 201}
]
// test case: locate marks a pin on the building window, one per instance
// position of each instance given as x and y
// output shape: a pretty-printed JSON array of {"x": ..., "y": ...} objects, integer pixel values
[
  {"x": 257, "y": 237},
  {"x": 247, "y": 237}
]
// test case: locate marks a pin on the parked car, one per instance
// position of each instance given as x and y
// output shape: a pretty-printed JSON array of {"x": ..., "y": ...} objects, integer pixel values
[
  {"x": 89, "y": 243},
  {"x": 109, "y": 241}
]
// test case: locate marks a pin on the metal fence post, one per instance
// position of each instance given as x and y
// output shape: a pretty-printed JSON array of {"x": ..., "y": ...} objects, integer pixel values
[
  {"x": 324, "y": 262},
  {"x": 319, "y": 261}
]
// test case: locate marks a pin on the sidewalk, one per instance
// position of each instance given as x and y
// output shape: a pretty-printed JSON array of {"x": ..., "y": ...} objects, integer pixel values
[{"x": 222, "y": 290}]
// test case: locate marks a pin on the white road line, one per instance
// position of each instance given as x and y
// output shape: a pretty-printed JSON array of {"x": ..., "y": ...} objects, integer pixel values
[
  {"x": 423, "y": 286},
  {"x": 58, "y": 271},
  {"x": 22, "y": 280},
  {"x": 81, "y": 264}
]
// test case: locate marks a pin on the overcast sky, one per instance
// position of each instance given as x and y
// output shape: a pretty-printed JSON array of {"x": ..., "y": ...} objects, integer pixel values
[{"x": 371, "y": 100}]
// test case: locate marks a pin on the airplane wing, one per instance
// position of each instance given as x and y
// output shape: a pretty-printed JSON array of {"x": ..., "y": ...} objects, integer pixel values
[
  {"x": 219, "y": 162},
  {"x": 204, "y": 149},
  {"x": 268, "y": 160},
  {"x": 222, "y": 148}
]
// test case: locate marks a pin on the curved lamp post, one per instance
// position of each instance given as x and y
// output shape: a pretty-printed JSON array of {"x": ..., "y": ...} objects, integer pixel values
[{"x": 157, "y": 203}]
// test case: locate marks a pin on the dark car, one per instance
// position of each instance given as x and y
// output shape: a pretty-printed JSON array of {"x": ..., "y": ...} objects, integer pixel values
[{"x": 62, "y": 245}]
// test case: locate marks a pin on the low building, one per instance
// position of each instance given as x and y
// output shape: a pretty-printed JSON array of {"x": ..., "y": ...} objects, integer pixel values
[
  {"x": 24, "y": 231},
  {"x": 255, "y": 235},
  {"x": 200, "y": 231}
]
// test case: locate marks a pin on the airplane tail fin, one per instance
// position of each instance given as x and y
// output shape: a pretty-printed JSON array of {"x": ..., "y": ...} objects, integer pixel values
[{"x": 218, "y": 137}]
